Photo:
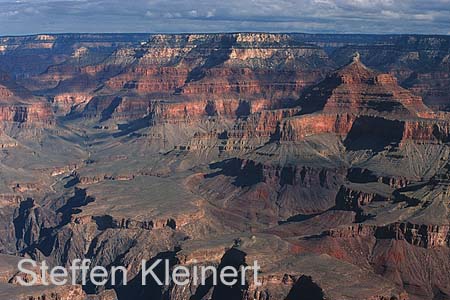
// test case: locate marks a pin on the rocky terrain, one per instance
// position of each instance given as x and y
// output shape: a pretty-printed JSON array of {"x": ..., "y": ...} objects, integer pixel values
[{"x": 323, "y": 157}]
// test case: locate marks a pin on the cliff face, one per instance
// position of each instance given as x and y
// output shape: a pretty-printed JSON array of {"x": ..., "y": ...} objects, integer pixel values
[
  {"x": 38, "y": 113},
  {"x": 298, "y": 128},
  {"x": 235, "y": 67},
  {"x": 18, "y": 105},
  {"x": 243, "y": 64}
]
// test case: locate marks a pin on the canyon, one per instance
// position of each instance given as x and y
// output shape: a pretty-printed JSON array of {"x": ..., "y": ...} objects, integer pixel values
[{"x": 323, "y": 157}]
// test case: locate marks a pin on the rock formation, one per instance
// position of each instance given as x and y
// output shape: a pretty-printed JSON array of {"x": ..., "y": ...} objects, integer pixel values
[
  {"x": 222, "y": 149},
  {"x": 19, "y": 105}
]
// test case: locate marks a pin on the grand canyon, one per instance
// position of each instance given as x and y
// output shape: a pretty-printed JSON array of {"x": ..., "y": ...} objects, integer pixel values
[{"x": 323, "y": 157}]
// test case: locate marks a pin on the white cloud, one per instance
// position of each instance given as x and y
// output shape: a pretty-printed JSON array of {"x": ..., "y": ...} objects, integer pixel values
[
  {"x": 211, "y": 13},
  {"x": 366, "y": 16},
  {"x": 9, "y": 13},
  {"x": 390, "y": 14},
  {"x": 424, "y": 17},
  {"x": 31, "y": 10}
]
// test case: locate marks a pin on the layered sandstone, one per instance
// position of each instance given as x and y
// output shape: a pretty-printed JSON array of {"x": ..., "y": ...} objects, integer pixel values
[
  {"x": 358, "y": 89},
  {"x": 18, "y": 105},
  {"x": 267, "y": 68},
  {"x": 298, "y": 128},
  {"x": 356, "y": 101},
  {"x": 219, "y": 64}
]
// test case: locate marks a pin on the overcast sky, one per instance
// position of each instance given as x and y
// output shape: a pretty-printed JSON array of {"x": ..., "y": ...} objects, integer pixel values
[{"x": 329, "y": 16}]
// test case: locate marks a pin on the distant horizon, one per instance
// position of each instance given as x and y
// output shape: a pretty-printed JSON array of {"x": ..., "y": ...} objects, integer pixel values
[{"x": 221, "y": 32}]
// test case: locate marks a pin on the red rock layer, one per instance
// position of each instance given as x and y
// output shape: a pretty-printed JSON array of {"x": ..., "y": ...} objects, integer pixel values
[
  {"x": 182, "y": 110},
  {"x": 65, "y": 102},
  {"x": 358, "y": 89},
  {"x": 426, "y": 130},
  {"x": 424, "y": 236},
  {"x": 247, "y": 67},
  {"x": 27, "y": 113},
  {"x": 298, "y": 128},
  {"x": 18, "y": 105},
  {"x": 357, "y": 101},
  {"x": 263, "y": 124}
]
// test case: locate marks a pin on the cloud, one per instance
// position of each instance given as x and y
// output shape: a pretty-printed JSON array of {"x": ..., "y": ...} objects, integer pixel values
[
  {"x": 211, "y": 13},
  {"x": 9, "y": 13},
  {"x": 359, "y": 16}
]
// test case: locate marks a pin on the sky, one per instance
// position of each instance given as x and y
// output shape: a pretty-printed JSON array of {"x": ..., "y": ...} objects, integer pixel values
[{"x": 19, "y": 17}]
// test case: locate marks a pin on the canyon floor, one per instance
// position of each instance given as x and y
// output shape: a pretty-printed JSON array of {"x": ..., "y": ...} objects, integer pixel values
[{"x": 323, "y": 157}]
